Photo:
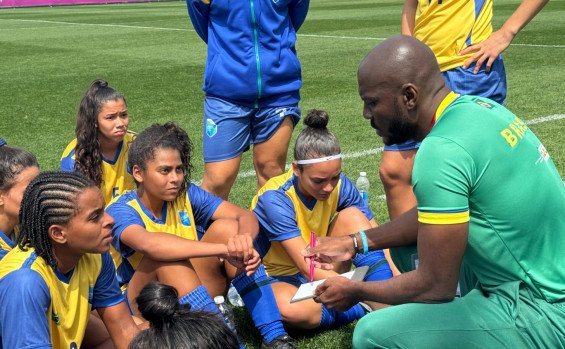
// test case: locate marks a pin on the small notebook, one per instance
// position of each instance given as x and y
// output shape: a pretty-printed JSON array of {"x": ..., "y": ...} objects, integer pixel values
[{"x": 306, "y": 290}]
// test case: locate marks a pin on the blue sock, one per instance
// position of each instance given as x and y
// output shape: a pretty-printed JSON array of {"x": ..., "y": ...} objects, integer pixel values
[
  {"x": 259, "y": 299},
  {"x": 378, "y": 265},
  {"x": 334, "y": 318},
  {"x": 199, "y": 299}
]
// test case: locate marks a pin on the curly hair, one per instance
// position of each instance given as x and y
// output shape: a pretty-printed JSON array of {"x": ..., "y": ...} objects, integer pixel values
[
  {"x": 50, "y": 198},
  {"x": 316, "y": 140},
  {"x": 88, "y": 157},
  {"x": 157, "y": 136}
]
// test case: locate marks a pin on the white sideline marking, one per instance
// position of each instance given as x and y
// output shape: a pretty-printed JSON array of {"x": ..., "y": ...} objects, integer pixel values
[
  {"x": 375, "y": 151},
  {"x": 545, "y": 118},
  {"x": 192, "y": 30}
]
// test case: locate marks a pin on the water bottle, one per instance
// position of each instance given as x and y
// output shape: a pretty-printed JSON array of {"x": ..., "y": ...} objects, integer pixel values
[
  {"x": 362, "y": 185},
  {"x": 234, "y": 298},
  {"x": 226, "y": 312}
]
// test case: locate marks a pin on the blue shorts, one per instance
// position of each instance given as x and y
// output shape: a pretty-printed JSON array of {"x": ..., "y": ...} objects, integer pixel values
[
  {"x": 127, "y": 300},
  {"x": 295, "y": 280},
  {"x": 490, "y": 85},
  {"x": 408, "y": 145},
  {"x": 229, "y": 129}
]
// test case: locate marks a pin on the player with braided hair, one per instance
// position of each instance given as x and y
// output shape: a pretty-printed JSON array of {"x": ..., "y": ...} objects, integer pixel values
[
  {"x": 156, "y": 233},
  {"x": 17, "y": 168},
  {"x": 100, "y": 148},
  {"x": 61, "y": 268}
]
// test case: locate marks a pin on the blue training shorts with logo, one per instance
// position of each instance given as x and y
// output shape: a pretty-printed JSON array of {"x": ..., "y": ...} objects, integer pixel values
[
  {"x": 464, "y": 82},
  {"x": 229, "y": 129}
]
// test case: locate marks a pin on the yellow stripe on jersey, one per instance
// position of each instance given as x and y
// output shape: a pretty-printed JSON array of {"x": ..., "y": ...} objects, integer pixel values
[
  {"x": 70, "y": 308},
  {"x": 276, "y": 260},
  {"x": 445, "y": 103},
  {"x": 179, "y": 222},
  {"x": 445, "y": 26},
  {"x": 443, "y": 218},
  {"x": 115, "y": 177}
]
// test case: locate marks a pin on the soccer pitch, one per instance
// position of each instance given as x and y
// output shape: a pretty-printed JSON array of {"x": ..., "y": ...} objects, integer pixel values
[{"x": 150, "y": 53}]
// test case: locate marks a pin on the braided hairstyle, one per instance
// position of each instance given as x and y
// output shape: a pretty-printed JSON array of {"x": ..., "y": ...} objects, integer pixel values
[
  {"x": 50, "y": 198},
  {"x": 175, "y": 326},
  {"x": 156, "y": 136},
  {"x": 88, "y": 157},
  {"x": 12, "y": 162},
  {"x": 316, "y": 140}
]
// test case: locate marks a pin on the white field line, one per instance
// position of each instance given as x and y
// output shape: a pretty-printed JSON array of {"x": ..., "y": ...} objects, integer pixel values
[
  {"x": 192, "y": 30},
  {"x": 358, "y": 154}
]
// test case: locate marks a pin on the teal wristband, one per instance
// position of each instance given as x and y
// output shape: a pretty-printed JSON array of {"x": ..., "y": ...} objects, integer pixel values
[{"x": 364, "y": 239}]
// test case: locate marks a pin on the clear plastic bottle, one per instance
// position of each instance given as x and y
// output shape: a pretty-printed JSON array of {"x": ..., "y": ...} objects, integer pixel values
[
  {"x": 226, "y": 311},
  {"x": 234, "y": 298},
  {"x": 362, "y": 185}
]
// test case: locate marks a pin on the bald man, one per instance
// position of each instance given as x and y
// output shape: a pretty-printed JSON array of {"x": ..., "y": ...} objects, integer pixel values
[{"x": 487, "y": 193}]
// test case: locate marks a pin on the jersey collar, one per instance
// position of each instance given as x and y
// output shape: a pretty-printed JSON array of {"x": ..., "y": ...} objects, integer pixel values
[{"x": 452, "y": 96}]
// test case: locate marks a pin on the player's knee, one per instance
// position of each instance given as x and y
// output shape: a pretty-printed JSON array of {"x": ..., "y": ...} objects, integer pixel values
[
  {"x": 269, "y": 167},
  {"x": 221, "y": 230},
  {"x": 369, "y": 332},
  {"x": 300, "y": 317}
]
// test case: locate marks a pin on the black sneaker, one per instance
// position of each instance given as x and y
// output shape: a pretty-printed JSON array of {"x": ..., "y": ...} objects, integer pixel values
[{"x": 281, "y": 342}]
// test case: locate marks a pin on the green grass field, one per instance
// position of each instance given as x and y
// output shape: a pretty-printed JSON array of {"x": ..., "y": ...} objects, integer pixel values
[{"x": 150, "y": 53}]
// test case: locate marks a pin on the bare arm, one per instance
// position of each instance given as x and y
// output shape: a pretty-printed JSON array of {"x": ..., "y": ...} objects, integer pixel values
[
  {"x": 408, "y": 20},
  {"x": 401, "y": 231},
  {"x": 440, "y": 252},
  {"x": 487, "y": 51},
  {"x": 167, "y": 247},
  {"x": 119, "y": 323}
]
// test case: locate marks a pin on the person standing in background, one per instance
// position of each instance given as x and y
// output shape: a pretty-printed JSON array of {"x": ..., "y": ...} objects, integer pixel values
[
  {"x": 252, "y": 81},
  {"x": 469, "y": 56}
]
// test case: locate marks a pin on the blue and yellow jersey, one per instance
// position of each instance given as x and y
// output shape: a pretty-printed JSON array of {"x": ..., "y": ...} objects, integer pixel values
[
  {"x": 284, "y": 213},
  {"x": 41, "y": 307},
  {"x": 116, "y": 178},
  {"x": 180, "y": 217},
  {"x": 449, "y": 26},
  {"x": 6, "y": 244}
]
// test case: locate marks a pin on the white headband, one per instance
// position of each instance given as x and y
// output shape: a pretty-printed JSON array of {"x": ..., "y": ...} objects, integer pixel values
[{"x": 313, "y": 161}]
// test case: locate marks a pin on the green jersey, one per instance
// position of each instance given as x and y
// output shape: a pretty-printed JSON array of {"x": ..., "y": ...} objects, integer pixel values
[{"x": 481, "y": 164}]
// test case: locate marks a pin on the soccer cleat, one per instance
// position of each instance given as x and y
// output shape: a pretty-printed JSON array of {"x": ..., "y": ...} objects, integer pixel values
[{"x": 281, "y": 342}]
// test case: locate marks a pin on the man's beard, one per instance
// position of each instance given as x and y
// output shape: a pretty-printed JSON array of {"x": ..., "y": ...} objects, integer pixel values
[{"x": 401, "y": 128}]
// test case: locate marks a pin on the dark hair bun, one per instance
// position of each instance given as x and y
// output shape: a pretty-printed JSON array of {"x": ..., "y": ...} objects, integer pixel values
[
  {"x": 100, "y": 83},
  {"x": 158, "y": 303},
  {"x": 317, "y": 118}
]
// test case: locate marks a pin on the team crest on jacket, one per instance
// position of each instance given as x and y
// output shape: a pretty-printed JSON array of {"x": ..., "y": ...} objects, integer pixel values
[
  {"x": 211, "y": 128},
  {"x": 184, "y": 219}
]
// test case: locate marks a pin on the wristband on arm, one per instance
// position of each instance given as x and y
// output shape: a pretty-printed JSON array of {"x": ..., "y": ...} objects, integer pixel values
[
  {"x": 365, "y": 244},
  {"x": 355, "y": 245}
]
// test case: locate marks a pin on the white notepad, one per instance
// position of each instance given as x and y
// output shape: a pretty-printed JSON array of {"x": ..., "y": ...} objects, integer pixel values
[{"x": 306, "y": 290}]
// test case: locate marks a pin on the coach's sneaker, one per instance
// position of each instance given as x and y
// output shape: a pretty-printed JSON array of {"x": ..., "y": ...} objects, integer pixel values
[{"x": 281, "y": 342}]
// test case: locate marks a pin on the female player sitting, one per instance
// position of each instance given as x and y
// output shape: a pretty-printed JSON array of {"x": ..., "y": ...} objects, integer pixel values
[
  {"x": 156, "y": 233},
  {"x": 304, "y": 200},
  {"x": 100, "y": 148},
  {"x": 61, "y": 269}
]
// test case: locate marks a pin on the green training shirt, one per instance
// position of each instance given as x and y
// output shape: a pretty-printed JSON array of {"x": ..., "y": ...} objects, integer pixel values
[{"x": 481, "y": 164}]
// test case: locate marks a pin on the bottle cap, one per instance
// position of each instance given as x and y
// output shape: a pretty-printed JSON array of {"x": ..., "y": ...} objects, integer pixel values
[
  {"x": 363, "y": 173},
  {"x": 219, "y": 299}
]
